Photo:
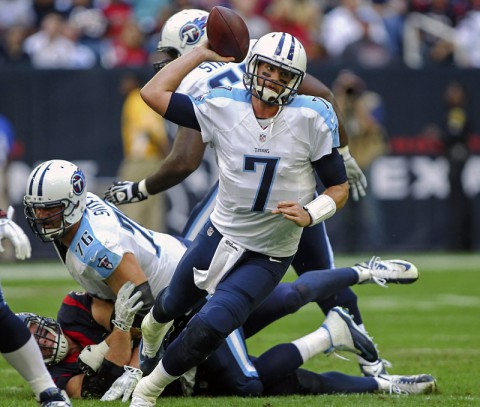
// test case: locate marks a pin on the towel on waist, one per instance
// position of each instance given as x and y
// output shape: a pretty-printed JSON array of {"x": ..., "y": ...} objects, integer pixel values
[{"x": 225, "y": 257}]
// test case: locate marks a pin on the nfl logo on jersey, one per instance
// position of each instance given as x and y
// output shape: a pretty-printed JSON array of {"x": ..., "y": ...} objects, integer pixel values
[{"x": 262, "y": 138}]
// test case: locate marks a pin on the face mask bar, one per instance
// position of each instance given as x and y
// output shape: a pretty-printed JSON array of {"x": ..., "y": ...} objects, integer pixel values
[{"x": 39, "y": 225}]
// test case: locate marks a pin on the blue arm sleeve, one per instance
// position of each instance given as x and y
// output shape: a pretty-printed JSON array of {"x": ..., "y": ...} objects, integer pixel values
[
  {"x": 330, "y": 169},
  {"x": 181, "y": 111}
]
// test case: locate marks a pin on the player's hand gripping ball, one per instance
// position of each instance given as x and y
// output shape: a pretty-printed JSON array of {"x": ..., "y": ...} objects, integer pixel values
[{"x": 227, "y": 33}]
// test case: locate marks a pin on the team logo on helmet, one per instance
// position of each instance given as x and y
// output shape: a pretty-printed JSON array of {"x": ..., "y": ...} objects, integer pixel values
[
  {"x": 191, "y": 32},
  {"x": 78, "y": 182}
]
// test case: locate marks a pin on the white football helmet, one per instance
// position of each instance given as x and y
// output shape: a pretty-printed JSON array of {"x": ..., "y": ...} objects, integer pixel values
[
  {"x": 49, "y": 336},
  {"x": 282, "y": 50},
  {"x": 55, "y": 183},
  {"x": 181, "y": 33}
]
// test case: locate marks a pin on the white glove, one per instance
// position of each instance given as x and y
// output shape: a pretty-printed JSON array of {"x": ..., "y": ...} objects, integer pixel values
[
  {"x": 124, "y": 385},
  {"x": 356, "y": 178},
  {"x": 91, "y": 358},
  {"x": 126, "y": 307},
  {"x": 124, "y": 192},
  {"x": 10, "y": 230}
]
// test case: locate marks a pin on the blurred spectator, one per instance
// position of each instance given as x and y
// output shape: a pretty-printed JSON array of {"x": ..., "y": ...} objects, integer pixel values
[
  {"x": 50, "y": 48},
  {"x": 82, "y": 56},
  {"x": 362, "y": 112},
  {"x": 392, "y": 13},
  {"x": 436, "y": 50},
  {"x": 367, "y": 52},
  {"x": 128, "y": 49},
  {"x": 117, "y": 13},
  {"x": 145, "y": 144},
  {"x": 342, "y": 26},
  {"x": 148, "y": 14},
  {"x": 41, "y": 9},
  {"x": 90, "y": 24},
  {"x": 301, "y": 18},
  {"x": 468, "y": 37},
  {"x": 7, "y": 138},
  {"x": 455, "y": 135},
  {"x": 256, "y": 23},
  {"x": 17, "y": 12},
  {"x": 11, "y": 47}
]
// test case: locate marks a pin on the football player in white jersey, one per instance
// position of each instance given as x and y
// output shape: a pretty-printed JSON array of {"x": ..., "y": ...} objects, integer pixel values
[
  {"x": 100, "y": 246},
  {"x": 315, "y": 251},
  {"x": 269, "y": 145},
  {"x": 17, "y": 345}
]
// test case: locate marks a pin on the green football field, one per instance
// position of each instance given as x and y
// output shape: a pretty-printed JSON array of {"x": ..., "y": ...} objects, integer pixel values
[{"x": 432, "y": 326}]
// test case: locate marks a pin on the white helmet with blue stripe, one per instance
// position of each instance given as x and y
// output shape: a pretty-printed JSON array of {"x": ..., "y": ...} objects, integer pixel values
[
  {"x": 52, "y": 184},
  {"x": 180, "y": 34},
  {"x": 282, "y": 50}
]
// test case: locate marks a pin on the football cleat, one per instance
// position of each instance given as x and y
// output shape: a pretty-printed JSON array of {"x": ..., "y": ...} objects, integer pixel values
[
  {"x": 54, "y": 397},
  {"x": 153, "y": 333},
  {"x": 382, "y": 272},
  {"x": 345, "y": 335},
  {"x": 417, "y": 384},
  {"x": 374, "y": 369}
]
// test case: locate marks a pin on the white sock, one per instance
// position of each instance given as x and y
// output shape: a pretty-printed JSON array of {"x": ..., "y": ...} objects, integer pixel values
[
  {"x": 383, "y": 384},
  {"x": 363, "y": 274},
  {"x": 151, "y": 386},
  {"x": 28, "y": 361},
  {"x": 312, "y": 344}
]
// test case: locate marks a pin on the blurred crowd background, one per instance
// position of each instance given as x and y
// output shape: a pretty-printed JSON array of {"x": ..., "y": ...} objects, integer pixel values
[
  {"x": 404, "y": 73},
  {"x": 121, "y": 33}
]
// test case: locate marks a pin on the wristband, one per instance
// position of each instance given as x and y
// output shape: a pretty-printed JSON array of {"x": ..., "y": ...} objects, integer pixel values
[
  {"x": 321, "y": 209},
  {"x": 345, "y": 152},
  {"x": 142, "y": 187}
]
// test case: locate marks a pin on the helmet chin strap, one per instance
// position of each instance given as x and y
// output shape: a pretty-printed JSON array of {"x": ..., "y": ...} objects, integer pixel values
[{"x": 266, "y": 94}]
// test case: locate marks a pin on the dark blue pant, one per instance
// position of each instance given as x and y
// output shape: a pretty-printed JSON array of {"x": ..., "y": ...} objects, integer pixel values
[{"x": 246, "y": 286}]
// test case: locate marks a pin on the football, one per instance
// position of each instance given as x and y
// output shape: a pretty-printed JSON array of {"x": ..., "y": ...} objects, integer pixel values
[{"x": 227, "y": 33}]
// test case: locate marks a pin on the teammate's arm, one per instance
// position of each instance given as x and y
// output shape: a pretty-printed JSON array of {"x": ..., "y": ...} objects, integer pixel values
[
  {"x": 130, "y": 270},
  {"x": 158, "y": 90},
  {"x": 312, "y": 86},
  {"x": 127, "y": 270},
  {"x": 356, "y": 178},
  {"x": 185, "y": 157}
]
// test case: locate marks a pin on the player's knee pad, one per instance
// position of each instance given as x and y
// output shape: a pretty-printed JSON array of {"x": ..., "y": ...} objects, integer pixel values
[
  {"x": 200, "y": 339},
  {"x": 297, "y": 297},
  {"x": 197, "y": 341},
  {"x": 225, "y": 317}
]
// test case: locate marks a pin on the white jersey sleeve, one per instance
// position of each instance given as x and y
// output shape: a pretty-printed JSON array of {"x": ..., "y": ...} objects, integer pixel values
[{"x": 105, "y": 234}]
